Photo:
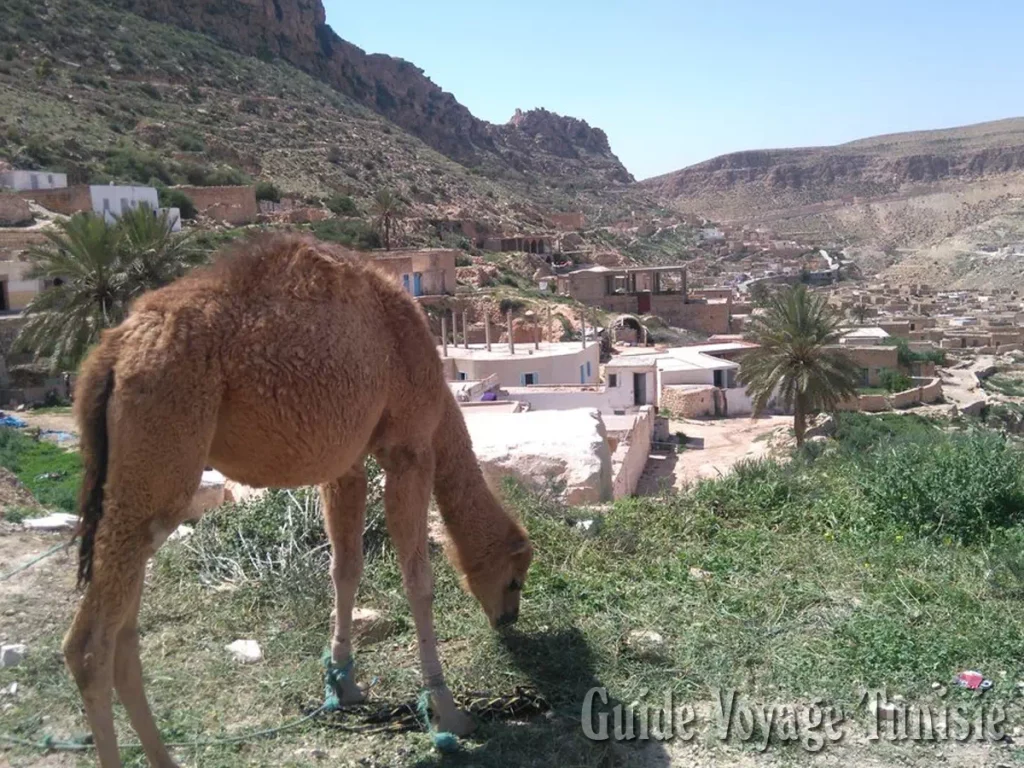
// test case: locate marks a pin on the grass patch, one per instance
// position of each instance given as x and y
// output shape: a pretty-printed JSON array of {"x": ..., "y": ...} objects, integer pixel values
[
  {"x": 50, "y": 473},
  {"x": 824, "y": 574},
  {"x": 1004, "y": 385}
]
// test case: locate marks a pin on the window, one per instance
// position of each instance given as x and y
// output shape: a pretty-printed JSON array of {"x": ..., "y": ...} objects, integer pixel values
[
  {"x": 588, "y": 369},
  {"x": 865, "y": 376},
  {"x": 529, "y": 379},
  {"x": 49, "y": 180},
  {"x": 462, "y": 375},
  {"x": 613, "y": 379},
  {"x": 125, "y": 205}
]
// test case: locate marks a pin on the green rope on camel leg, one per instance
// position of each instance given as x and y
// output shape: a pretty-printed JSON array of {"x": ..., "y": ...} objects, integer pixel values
[
  {"x": 334, "y": 678},
  {"x": 444, "y": 741}
]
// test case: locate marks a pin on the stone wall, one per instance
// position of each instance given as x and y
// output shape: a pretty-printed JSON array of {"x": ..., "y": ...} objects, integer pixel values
[
  {"x": 69, "y": 200},
  {"x": 707, "y": 318},
  {"x": 687, "y": 401},
  {"x": 14, "y": 211},
  {"x": 235, "y": 205},
  {"x": 630, "y": 456}
]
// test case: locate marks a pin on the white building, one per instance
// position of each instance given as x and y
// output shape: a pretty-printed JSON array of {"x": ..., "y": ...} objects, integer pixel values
[
  {"x": 111, "y": 200},
  {"x": 20, "y": 181},
  {"x": 860, "y": 337},
  {"x": 526, "y": 366}
]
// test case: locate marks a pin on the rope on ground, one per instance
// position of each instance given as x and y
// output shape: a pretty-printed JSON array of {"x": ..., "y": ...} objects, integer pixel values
[{"x": 25, "y": 566}]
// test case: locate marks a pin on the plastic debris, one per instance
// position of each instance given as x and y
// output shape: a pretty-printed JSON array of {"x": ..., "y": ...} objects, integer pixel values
[{"x": 973, "y": 680}]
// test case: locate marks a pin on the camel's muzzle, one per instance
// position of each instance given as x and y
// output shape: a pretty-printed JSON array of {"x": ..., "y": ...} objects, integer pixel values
[{"x": 506, "y": 619}]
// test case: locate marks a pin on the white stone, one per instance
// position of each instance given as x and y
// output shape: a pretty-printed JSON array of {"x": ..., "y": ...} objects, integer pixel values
[
  {"x": 210, "y": 493},
  {"x": 645, "y": 642},
  {"x": 12, "y": 655},
  {"x": 699, "y": 574},
  {"x": 245, "y": 651},
  {"x": 11, "y": 690},
  {"x": 545, "y": 448},
  {"x": 57, "y": 521},
  {"x": 181, "y": 532}
]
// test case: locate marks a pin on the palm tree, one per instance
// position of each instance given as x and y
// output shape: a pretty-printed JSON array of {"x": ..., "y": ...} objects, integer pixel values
[
  {"x": 92, "y": 271},
  {"x": 87, "y": 291},
  {"x": 795, "y": 359},
  {"x": 153, "y": 254},
  {"x": 860, "y": 313},
  {"x": 387, "y": 208}
]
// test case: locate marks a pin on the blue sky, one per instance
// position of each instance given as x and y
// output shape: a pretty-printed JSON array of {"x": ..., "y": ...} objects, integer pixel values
[{"x": 674, "y": 82}]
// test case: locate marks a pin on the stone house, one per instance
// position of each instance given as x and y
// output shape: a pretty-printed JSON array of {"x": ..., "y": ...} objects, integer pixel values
[
  {"x": 872, "y": 361},
  {"x": 421, "y": 272},
  {"x": 657, "y": 291}
]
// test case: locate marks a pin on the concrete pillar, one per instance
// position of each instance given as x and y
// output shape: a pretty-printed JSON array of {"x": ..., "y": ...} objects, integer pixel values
[
  {"x": 455, "y": 329},
  {"x": 444, "y": 334},
  {"x": 583, "y": 328},
  {"x": 536, "y": 332},
  {"x": 551, "y": 336},
  {"x": 487, "y": 330},
  {"x": 465, "y": 329},
  {"x": 511, "y": 343}
]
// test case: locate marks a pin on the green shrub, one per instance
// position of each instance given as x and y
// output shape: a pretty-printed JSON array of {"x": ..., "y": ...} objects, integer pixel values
[
  {"x": 342, "y": 205},
  {"x": 49, "y": 472},
  {"x": 136, "y": 165},
  {"x": 463, "y": 261},
  {"x": 962, "y": 486},
  {"x": 266, "y": 190},
  {"x": 188, "y": 141},
  {"x": 175, "y": 198},
  {"x": 348, "y": 232},
  {"x": 895, "y": 381},
  {"x": 220, "y": 176}
]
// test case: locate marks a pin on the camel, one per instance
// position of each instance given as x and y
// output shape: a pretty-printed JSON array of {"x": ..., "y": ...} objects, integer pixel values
[{"x": 284, "y": 363}]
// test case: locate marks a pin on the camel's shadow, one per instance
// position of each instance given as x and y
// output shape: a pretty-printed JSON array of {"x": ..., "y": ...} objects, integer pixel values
[{"x": 559, "y": 665}]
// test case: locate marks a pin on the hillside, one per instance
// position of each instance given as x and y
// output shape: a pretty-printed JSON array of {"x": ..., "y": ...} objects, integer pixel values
[
  {"x": 770, "y": 181},
  {"x": 90, "y": 88}
]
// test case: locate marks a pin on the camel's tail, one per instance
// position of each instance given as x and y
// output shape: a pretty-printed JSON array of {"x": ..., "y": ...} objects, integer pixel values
[{"x": 92, "y": 393}]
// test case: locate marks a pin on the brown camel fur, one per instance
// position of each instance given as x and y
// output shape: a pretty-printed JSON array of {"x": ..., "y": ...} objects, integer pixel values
[{"x": 283, "y": 364}]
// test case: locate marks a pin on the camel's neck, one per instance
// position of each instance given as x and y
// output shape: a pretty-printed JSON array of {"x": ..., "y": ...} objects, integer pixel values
[{"x": 468, "y": 507}]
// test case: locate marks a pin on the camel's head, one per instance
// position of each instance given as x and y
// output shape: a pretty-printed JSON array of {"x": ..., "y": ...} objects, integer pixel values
[{"x": 497, "y": 581}]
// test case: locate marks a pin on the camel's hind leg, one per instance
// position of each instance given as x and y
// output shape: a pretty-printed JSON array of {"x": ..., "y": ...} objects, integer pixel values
[
  {"x": 344, "y": 503},
  {"x": 154, "y": 467},
  {"x": 409, "y": 475},
  {"x": 128, "y": 683}
]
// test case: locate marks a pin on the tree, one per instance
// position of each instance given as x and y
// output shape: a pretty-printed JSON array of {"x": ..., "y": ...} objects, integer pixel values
[
  {"x": 794, "y": 359},
  {"x": 387, "y": 209},
  {"x": 152, "y": 254},
  {"x": 92, "y": 271}
]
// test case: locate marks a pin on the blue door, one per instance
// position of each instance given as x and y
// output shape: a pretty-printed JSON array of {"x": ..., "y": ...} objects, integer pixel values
[
  {"x": 417, "y": 284},
  {"x": 583, "y": 376}
]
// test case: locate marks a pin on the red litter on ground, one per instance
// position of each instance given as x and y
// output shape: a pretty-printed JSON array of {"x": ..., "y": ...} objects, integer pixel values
[{"x": 973, "y": 680}]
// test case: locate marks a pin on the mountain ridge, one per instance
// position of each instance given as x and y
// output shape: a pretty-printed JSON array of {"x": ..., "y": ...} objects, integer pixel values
[{"x": 296, "y": 31}]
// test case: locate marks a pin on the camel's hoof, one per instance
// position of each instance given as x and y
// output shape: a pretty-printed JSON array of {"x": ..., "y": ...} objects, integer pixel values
[
  {"x": 455, "y": 721},
  {"x": 352, "y": 692}
]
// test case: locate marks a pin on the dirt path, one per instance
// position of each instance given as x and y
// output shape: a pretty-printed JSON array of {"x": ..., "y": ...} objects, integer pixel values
[
  {"x": 54, "y": 422},
  {"x": 726, "y": 441}
]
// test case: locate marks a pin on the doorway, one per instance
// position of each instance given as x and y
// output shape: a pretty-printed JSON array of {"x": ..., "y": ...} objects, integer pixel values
[
  {"x": 639, "y": 389},
  {"x": 643, "y": 303}
]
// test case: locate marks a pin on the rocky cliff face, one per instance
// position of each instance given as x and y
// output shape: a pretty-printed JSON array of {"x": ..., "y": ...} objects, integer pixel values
[
  {"x": 883, "y": 166},
  {"x": 296, "y": 31}
]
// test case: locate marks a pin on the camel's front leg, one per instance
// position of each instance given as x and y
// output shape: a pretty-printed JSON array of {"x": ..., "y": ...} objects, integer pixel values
[
  {"x": 409, "y": 476},
  {"x": 344, "y": 503}
]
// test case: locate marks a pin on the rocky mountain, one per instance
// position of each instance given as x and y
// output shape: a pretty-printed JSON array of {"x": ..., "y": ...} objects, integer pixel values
[
  {"x": 296, "y": 31},
  {"x": 785, "y": 180}
]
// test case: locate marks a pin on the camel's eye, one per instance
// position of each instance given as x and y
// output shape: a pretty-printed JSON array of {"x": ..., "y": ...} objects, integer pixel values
[{"x": 515, "y": 585}]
